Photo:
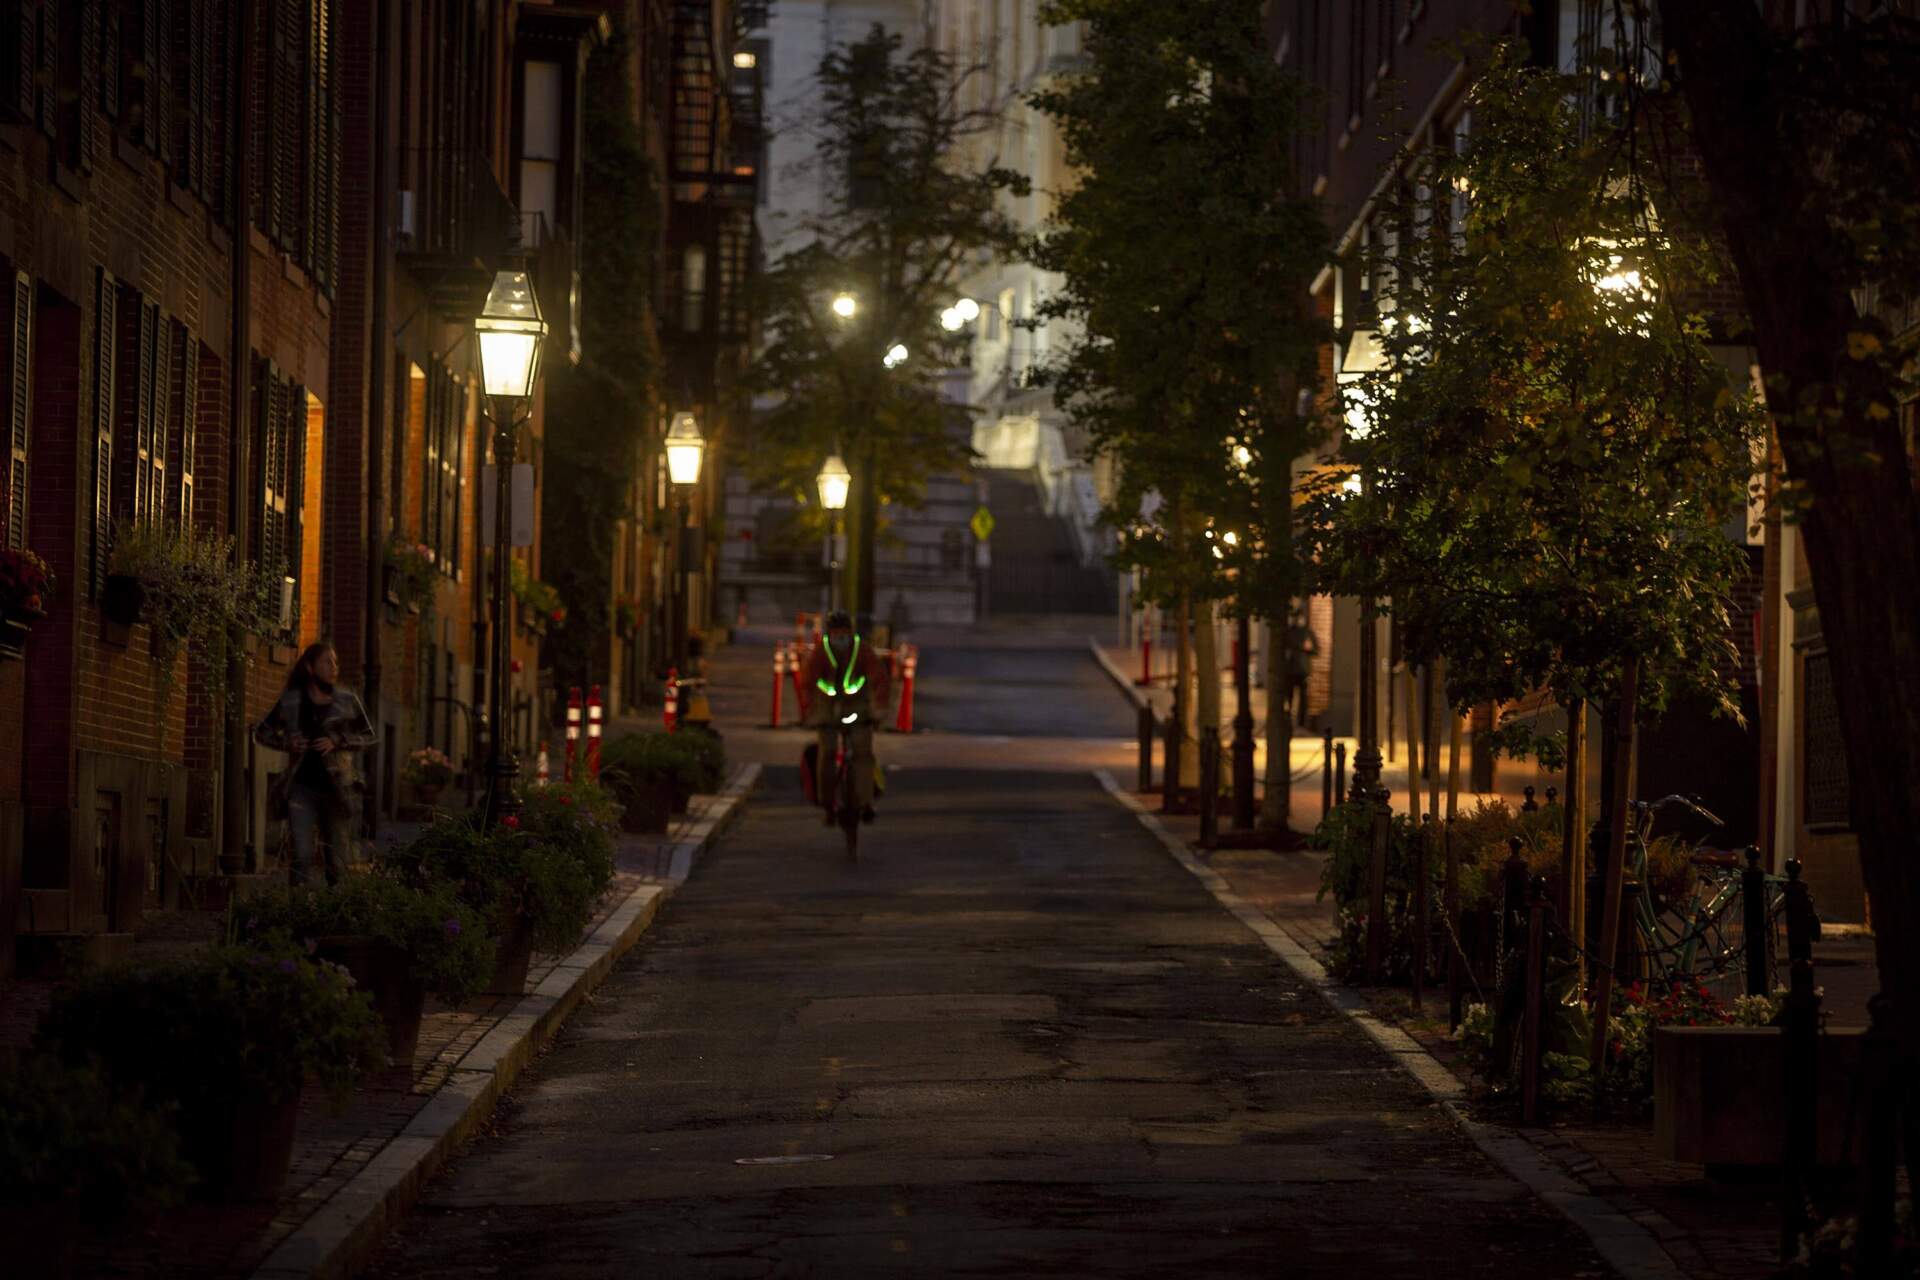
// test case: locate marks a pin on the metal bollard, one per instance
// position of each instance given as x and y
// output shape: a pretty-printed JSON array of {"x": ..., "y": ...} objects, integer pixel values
[
  {"x": 1339, "y": 772},
  {"x": 1146, "y": 748},
  {"x": 1553, "y": 796},
  {"x": 1209, "y": 787},
  {"x": 1327, "y": 791},
  {"x": 1170, "y": 767},
  {"x": 670, "y": 710},
  {"x": 1377, "y": 888},
  {"x": 1753, "y": 911},
  {"x": 1422, "y": 842},
  {"x": 1530, "y": 804},
  {"x": 1536, "y": 1001},
  {"x": 779, "y": 678},
  {"x": 1800, "y": 1051}
]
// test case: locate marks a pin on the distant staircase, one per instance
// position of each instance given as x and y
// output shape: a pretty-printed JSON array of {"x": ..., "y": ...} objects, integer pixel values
[{"x": 1036, "y": 558}]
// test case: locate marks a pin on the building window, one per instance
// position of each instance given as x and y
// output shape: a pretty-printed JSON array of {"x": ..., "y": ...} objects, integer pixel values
[
  {"x": 106, "y": 348},
  {"x": 183, "y": 416},
  {"x": 142, "y": 410},
  {"x": 540, "y": 144},
  {"x": 295, "y": 133},
  {"x": 441, "y": 477},
  {"x": 18, "y": 404},
  {"x": 693, "y": 288},
  {"x": 280, "y": 450},
  {"x": 1829, "y": 797}
]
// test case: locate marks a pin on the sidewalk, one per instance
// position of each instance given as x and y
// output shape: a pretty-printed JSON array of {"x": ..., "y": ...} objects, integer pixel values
[
  {"x": 1711, "y": 1230},
  {"x": 356, "y": 1170}
]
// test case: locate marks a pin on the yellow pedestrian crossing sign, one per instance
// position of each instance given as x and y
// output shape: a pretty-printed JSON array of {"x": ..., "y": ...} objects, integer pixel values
[{"x": 982, "y": 524}]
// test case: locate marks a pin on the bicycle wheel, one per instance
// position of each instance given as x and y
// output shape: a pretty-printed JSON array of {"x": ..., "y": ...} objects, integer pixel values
[{"x": 849, "y": 806}]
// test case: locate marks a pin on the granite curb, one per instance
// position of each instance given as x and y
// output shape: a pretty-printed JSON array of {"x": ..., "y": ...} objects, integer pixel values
[
  {"x": 1626, "y": 1244},
  {"x": 342, "y": 1235}
]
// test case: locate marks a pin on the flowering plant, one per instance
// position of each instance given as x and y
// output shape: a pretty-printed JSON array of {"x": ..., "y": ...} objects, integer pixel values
[
  {"x": 412, "y": 573},
  {"x": 541, "y": 597},
  {"x": 25, "y": 580},
  {"x": 444, "y": 939},
  {"x": 428, "y": 767}
]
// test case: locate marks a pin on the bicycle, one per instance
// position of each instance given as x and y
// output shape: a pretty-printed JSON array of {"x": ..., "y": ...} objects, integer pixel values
[
  {"x": 1702, "y": 936},
  {"x": 846, "y": 806}
]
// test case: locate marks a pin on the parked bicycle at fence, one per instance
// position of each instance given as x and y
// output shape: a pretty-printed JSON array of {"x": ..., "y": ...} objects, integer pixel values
[{"x": 1692, "y": 920}]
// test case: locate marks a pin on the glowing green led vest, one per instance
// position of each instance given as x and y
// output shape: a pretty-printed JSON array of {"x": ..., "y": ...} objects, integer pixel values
[{"x": 850, "y": 681}]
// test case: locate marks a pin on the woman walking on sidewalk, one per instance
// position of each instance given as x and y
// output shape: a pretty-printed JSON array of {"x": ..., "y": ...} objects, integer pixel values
[{"x": 322, "y": 728}]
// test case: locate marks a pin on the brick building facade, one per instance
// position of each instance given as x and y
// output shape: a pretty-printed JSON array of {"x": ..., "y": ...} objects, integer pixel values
[{"x": 243, "y": 245}]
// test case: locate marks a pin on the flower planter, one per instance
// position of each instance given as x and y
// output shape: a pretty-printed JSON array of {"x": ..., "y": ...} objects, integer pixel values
[
  {"x": 122, "y": 599},
  {"x": 384, "y": 972},
  {"x": 428, "y": 793},
  {"x": 512, "y": 958},
  {"x": 16, "y": 624},
  {"x": 650, "y": 807},
  {"x": 43, "y": 1239},
  {"x": 681, "y": 799},
  {"x": 242, "y": 1147}
]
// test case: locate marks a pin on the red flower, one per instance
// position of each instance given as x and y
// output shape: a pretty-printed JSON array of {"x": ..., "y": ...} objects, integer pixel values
[
  {"x": 566, "y": 800},
  {"x": 516, "y": 666},
  {"x": 510, "y": 822}
]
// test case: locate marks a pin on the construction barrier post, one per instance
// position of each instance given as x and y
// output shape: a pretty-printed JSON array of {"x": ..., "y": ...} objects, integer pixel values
[
  {"x": 542, "y": 771},
  {"x": 573, "y": 729},
  {"x": 671, "y": 712},
  {"x": 779, "y": 675},
  {"x": 594, "y": 726},
  {"x": 904, "y": 721}
]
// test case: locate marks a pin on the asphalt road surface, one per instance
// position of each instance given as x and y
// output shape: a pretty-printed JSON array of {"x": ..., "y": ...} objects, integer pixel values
[{"x": 1015, "y": 1040}]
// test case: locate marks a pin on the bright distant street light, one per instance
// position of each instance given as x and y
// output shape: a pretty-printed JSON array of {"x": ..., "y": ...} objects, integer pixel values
[
  {"x": 845, "y": 305},
  {"x": 745, "y": 60},
  {"x": 896, "y": 356},
  {"x": 969, "y": 309},
  {"x": 952, "y": 321}
]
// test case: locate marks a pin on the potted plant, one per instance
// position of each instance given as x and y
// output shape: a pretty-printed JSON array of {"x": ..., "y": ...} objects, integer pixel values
[
  {"x": 651, "y": 774},
  {"x": 190, "y": 591},
  {"x": 577, "y": 819},
  {"x": 535, "y": 893},
  {"x": 539, "y": 601},
  {"x": 398, "y": 940},
  {"x": 229, "y": 1036},
  {"x": 25, "y": 584},
  {"x": 73, "y": 1151},
  {"x": 412, "y": 574},
  {"x": 428, "y": 771}
]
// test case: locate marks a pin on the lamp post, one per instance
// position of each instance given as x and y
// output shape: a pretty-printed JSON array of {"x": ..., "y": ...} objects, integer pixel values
[
  {"x": 509, "y": 332},
  {"x": 1363, "y": 356},
  {"x": 834, "y": 481},
  {"x": 685, "y": 448}
]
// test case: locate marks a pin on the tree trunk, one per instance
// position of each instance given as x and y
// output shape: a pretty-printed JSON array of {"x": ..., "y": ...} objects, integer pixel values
[
  {"x": 1276, "y": 803},
  {"x": 1183, "y": 695},
  {"x": 1862, "y": 524},
  {"x": 1608, "y": 943},
  {"x": 1207, "y": 663},
  {"x": 1573, "y": 845}
]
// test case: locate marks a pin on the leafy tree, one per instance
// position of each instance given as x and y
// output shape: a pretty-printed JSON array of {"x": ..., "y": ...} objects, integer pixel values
[
  {"x": 904, "y": 215},
  {"x": 1183, "y": 248},
  {"x": 1806, "y": 140},
  {"x": 1552, "y": 454},
  {"x": 599, "y": 414}
]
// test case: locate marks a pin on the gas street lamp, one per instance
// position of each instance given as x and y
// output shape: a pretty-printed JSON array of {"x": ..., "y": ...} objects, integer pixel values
[
  {"x": 508, "y": 334},
  {"x": 834, "y": 482},
  {"x": 686, "y": 448}
]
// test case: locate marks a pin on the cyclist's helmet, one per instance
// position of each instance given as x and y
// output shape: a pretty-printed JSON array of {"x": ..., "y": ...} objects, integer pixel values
[{"x": 839, "y": 619}]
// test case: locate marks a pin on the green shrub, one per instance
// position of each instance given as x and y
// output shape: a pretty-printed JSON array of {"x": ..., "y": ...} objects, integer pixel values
[
  {"x": 505, "y": 873},
  {"x": 710, "y": 755},
  {"x": 227, "y": 1021},
  {"x": 446, "y": 939},
  {"x": 578, "y": 819},
  {"x": 638, "y": 760},
  {"x": 64, "y": 1134}
]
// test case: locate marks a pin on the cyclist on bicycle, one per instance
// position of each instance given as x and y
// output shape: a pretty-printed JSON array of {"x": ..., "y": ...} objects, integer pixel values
[{"x": 845, "y": 676}]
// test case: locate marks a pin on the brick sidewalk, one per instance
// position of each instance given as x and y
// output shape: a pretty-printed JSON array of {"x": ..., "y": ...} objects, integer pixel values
[
  {"x": 208, "y": 1240},
  {"x": 1712, "y": 1229}
]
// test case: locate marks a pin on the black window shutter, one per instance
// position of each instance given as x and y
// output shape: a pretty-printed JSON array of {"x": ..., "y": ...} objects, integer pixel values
[
  {"x": 48, "y": 81},
  {"x": 92, "y": 57},
  {"x": 262, "y": 106},
  {"x": 106, "y": 299},
  {"x": 264, "y": 375},
  {"x": 111, "y": 69},
  {"x": 19, "y": 407},
  {"x": 19, "y": 58},
  {"x": 162, "y": 79}
]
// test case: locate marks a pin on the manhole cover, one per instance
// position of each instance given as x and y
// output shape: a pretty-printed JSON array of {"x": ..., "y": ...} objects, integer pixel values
[{"x": 808, "y": 1159}]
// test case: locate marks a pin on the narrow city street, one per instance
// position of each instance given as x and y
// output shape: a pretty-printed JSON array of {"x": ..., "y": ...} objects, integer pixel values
[{"x": 1015, "y": 1039}]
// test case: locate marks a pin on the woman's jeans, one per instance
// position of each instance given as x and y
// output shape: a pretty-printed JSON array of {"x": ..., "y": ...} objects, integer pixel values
[{"x": 313, "y": 818}]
